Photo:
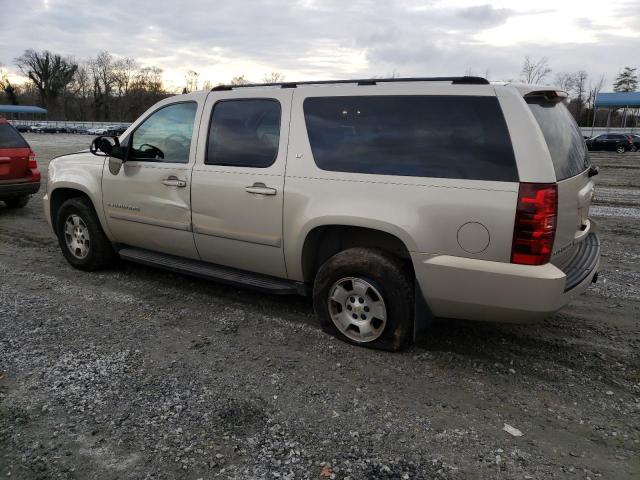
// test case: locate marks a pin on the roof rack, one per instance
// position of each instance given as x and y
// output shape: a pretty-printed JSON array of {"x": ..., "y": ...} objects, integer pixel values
[{"x": 466, "y": 80}]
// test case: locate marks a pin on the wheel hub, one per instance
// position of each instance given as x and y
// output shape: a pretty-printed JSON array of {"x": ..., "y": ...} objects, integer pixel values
[
  {"x": 76, "y": 236},
  {"x": 357, "y": 309}
]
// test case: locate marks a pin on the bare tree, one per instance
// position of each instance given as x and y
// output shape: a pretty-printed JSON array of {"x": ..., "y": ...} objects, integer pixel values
[
  {"x": 10, "y": 91},
  {"x": 103, "y": 78},
  {"x": 535, "y": 71},
  {"x": 565, "y": 80},
  {"x": 273, "y": 77},
  {"x": 579, "y": 89},
  {"x": 49, "y": 72},
  {"x": 239, "y": 80},
  {"x": 123, "y": 72},
  {"x": 191, "y": 81}
]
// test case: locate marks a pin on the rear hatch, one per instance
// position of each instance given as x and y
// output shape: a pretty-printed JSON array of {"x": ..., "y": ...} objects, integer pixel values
[
  {"x": 571, "y": 163},
  {"x": 14, "y": 154}
]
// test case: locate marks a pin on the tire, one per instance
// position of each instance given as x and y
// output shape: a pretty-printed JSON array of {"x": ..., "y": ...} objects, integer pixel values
[
  {"x": 620, "y": 149},
  {"x": 17, "y": 202},
  {"x": 378, "y": 274},
  {"x": 92, "y": 249}
]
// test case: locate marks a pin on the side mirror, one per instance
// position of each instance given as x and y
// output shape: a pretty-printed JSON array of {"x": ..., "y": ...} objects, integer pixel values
[
  {"x": 115, "y": 164},
  {"x": 109, "y": 146},
  {"x": 105, "y": 146}
]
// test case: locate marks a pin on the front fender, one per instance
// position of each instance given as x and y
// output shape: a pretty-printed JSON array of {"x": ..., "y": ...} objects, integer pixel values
[{"x": 81, "y": 172}]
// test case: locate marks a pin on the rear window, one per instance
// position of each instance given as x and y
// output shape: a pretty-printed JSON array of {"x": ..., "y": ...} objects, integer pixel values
[
  {"x": 10, "y": 138},
  {"x": 424, "y": 136},
  {"x": 563, "y": 136}
]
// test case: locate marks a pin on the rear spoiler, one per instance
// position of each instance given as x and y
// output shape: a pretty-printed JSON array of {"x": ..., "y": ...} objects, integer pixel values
[{"x": 555, "y": 96}]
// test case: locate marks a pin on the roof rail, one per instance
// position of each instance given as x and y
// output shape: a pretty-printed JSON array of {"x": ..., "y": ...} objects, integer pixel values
[{"x": 466, "y": 80}]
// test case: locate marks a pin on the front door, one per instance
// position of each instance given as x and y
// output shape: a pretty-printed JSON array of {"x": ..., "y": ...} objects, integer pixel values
[
  {"x": 147, "y": 204},
  {"x": 238, "y": 179}
]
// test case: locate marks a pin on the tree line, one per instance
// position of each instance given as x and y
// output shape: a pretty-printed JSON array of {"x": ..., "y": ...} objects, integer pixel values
[
  {"x": 103, "y": 88},
  {"x": 581, "y": 88}
]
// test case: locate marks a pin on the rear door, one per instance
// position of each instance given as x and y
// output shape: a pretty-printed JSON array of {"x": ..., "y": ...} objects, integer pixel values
[
  {"x": 14, "y": 154},
  {"x": 571, "y": 164},
  {"x": 238, "y": 179}
]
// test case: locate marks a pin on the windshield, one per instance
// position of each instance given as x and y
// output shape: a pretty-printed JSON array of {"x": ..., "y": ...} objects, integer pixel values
[{"x": 563, "y": 136}]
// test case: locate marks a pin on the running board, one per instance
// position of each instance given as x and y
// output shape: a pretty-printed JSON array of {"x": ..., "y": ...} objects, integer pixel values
[{"x": 209, "y": 271}]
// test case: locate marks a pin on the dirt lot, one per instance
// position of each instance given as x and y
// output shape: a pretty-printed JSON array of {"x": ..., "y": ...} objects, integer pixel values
[{"x": 138, "y": 373}]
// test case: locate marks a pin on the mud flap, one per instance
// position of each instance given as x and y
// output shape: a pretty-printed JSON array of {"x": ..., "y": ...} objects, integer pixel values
[{"x": 422, "y": 316}]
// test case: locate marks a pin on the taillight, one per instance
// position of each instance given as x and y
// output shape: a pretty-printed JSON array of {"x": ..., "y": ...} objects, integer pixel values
[
  {"x": 32, "y": 167},
  {"x": 535, "y": 225},
  {"x": 32, "y": 161}
]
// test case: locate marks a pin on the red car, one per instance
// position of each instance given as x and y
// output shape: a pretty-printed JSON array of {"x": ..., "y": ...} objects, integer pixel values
[{"x": 19, "y": 174}]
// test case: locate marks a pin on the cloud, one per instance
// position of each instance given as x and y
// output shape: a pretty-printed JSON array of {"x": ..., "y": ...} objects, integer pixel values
[
  {"x": 484, "y": 15},
  {"x": 312, "y": 39}
]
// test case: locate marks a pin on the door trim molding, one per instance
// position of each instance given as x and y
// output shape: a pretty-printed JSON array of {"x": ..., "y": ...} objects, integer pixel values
[
  {"x": 151, "y": 221},
  {"x": 269, "y": 240}
]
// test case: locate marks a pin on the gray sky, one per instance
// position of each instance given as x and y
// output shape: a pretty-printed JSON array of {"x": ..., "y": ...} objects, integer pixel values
[{"x": 325, "y": 39}]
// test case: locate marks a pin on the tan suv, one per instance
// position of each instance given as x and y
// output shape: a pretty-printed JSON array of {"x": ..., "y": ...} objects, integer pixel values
[{"x": 390, "y": 201}]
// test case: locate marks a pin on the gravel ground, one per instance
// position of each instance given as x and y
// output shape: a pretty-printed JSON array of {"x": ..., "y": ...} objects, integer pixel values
[{"x": 138, "y": 373}]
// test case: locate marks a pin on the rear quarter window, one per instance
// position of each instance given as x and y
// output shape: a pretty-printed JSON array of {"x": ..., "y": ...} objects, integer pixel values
[
  {"x": 11, "y": 138},
  {"x": 563, "y": 136},
  {"x": 462, "y": 137}
]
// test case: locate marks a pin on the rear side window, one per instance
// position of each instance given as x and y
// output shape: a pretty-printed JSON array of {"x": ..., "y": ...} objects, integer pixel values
[
  {"x": 423, "y": 136},
  {"x": 244, "y": 133},
  {"x": 563, "y": 136},
  {"x": 10, "y": 138}
]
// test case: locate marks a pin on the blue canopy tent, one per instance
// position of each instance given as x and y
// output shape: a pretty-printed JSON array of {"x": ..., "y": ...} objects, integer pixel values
[
  {"x": 614, "y": 101},
  {"x": 22, "y": 112}
]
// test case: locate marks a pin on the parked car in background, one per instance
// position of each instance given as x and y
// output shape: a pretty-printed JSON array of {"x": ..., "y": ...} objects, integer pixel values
[
  {"x": 19, "y": 174},
  {"x": 612, "y": 142},
  {"x": 97, "y": 131},
  {"x": 46, "y": 128},
  {"x": 22, "y": 128},
  {"x": 117, "y": 130},
  {"x": 635, "y": 138},
  {"x": 81, "y": 130},
  {"x": 386, "y": 200}
]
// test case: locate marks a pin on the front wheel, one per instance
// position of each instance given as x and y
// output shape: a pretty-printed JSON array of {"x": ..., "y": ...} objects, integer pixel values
[
  {"x": 620, "y": 149},
  {"x": 365, "y": 297},
  {"x": 80, "y": 235}
]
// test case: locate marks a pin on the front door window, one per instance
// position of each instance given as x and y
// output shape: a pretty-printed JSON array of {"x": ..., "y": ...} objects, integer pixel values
[{"x": 165, "y": 136}]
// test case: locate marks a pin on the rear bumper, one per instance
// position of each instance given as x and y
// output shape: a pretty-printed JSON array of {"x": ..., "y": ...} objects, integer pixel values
[
  {"x": 474, "y": 289},
  {"x": 8, "y": 190}
]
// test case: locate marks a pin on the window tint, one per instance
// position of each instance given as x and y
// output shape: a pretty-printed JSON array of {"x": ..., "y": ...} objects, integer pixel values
[
  {"x": 168, "y": 130},
  {"x": 563, "y": 136},
  {"x": 244, "y": 133},
  {"x": 426, "y": 136},
  {"x": 10, "y": 138}
]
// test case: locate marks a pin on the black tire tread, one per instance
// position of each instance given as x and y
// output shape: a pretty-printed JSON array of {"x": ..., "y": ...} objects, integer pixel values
[
  {"x": 17, "y": 202},
  {"x": 101, "y": 253},
  {"x": 389, "y": 272}
]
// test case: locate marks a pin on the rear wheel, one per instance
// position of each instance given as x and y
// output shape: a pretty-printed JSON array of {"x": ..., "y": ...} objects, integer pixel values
[
  {"x": 17, "y": 202},
  {"x": 80, "y": 235},
  {"x": 365, "y": 297},
  {"x": 620, "y": 149}
]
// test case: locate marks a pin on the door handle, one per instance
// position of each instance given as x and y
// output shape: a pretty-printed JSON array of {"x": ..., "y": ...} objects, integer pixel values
[
  {"x": 174, "y": 182},
  {"x": 260, "y": 189}
]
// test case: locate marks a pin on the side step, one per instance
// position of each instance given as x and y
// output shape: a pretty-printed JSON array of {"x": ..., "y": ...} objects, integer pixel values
[{"x": 210, "y": 271}]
